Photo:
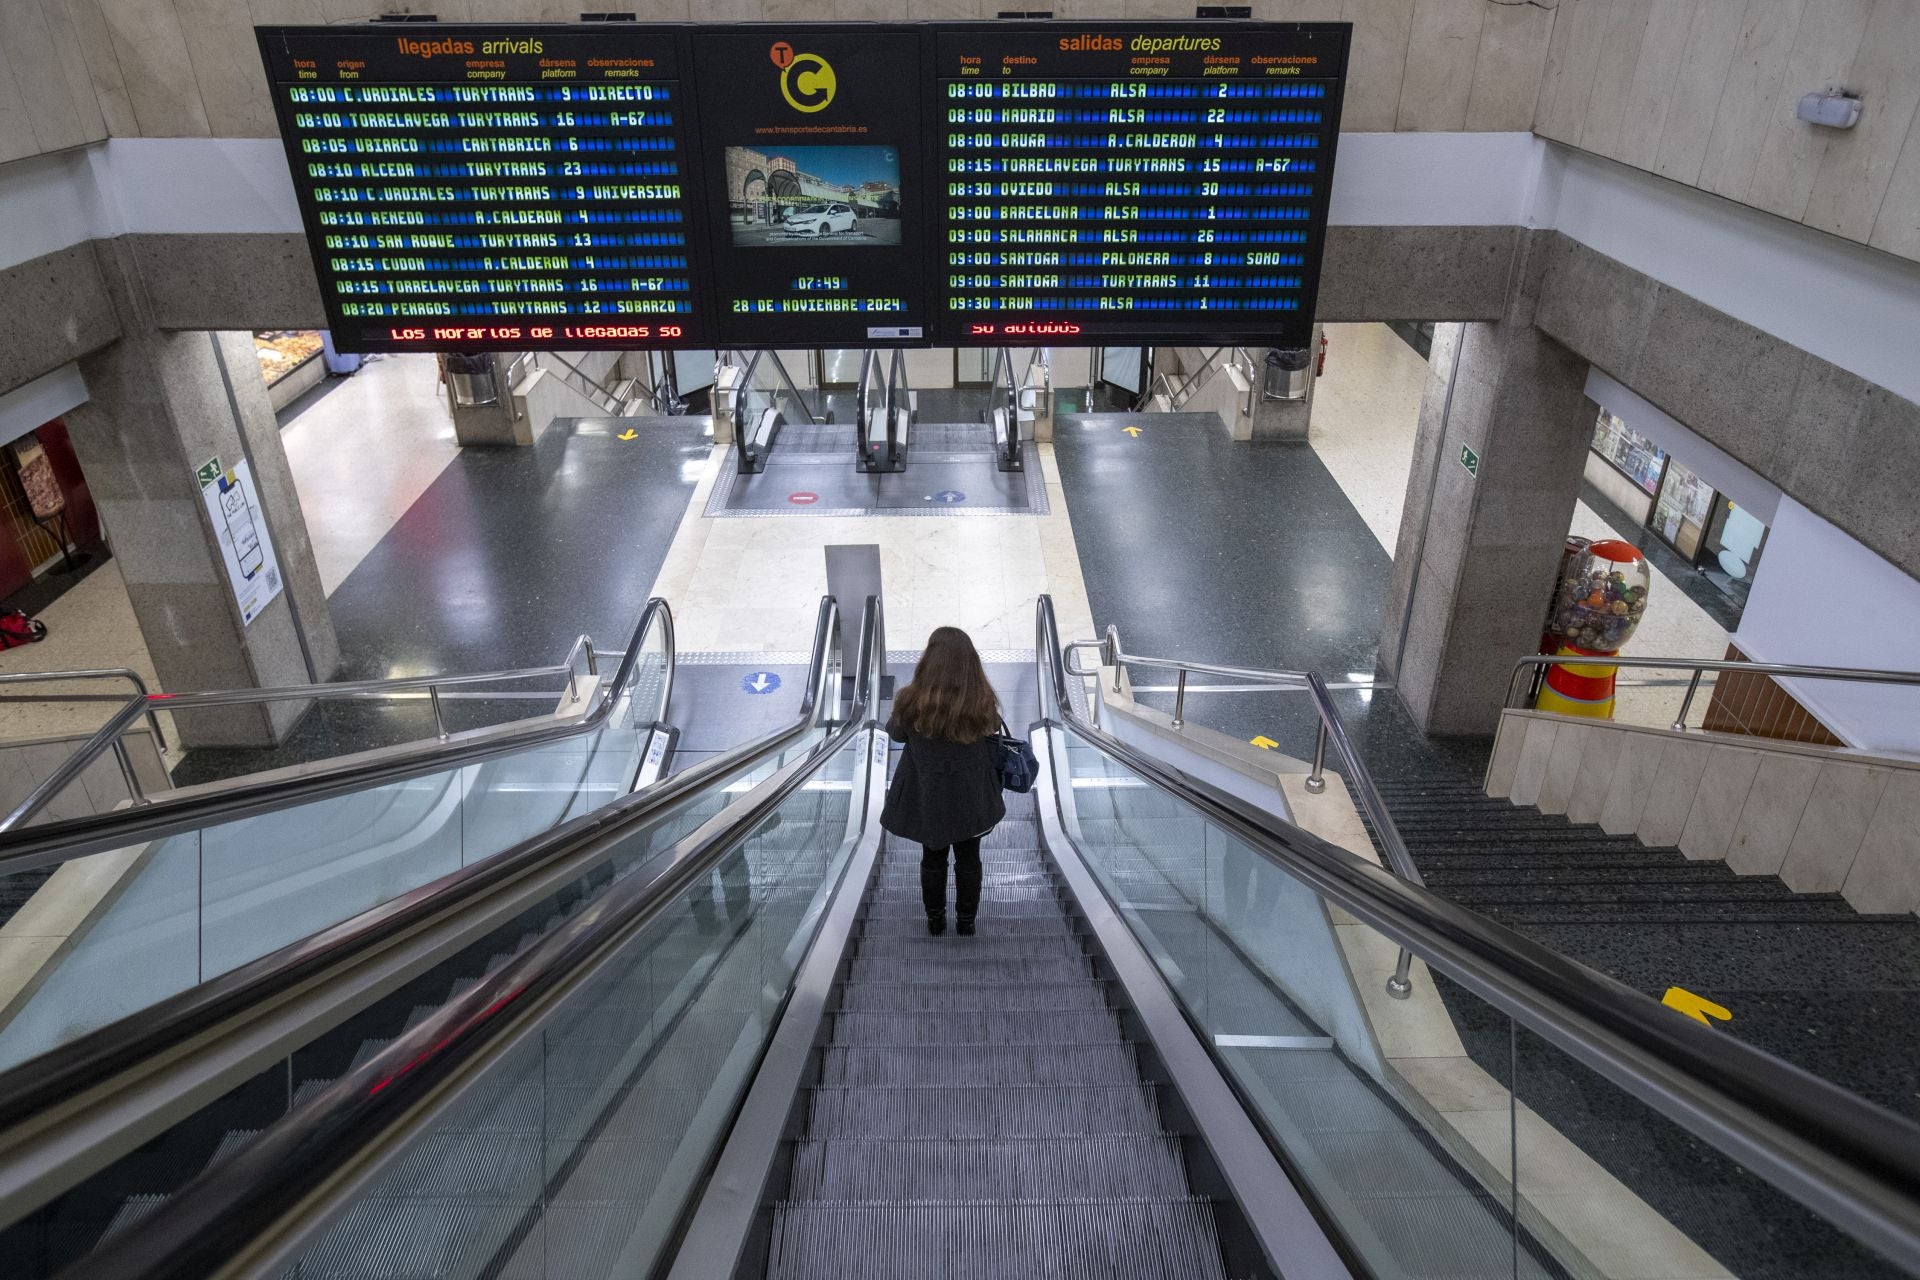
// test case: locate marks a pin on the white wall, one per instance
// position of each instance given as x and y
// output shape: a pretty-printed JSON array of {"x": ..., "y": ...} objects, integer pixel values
[{"x": 1821, "y": 598}]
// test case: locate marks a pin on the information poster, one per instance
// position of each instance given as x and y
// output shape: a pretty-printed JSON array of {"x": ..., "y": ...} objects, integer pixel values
[
  {"x": 492, "y": 187},
  {"x": 246, "y": 547},
  {"x": 813, "y": 134},
  {"x": 1158, "y": 182}
]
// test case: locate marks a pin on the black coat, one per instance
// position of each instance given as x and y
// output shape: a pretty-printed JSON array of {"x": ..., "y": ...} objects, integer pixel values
[{"x": 943, "y": 792}]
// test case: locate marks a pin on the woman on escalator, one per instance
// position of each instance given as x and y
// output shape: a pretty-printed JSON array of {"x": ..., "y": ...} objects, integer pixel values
[{"x": 946, "y": 793}]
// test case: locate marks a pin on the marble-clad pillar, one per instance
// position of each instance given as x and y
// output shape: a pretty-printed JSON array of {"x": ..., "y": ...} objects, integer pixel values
[
  {"x": 1479, "y": 549},
  {"x": 160, "y": 409}
]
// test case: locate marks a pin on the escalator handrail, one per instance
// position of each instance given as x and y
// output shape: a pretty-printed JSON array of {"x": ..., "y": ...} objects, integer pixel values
[
  {"x": 862, "y": 414},
  {"x": 85, "y": 1062},
  {"x": 1846, "y": 1158},
  {"x": 899, "y": 396},
  {"x": 294, "y": 1166},
  {"x": 50, "y": 843}
]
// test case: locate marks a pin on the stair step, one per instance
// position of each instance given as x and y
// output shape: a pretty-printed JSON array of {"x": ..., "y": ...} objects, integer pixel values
[
  {"x": 1004, "y": 1170},
  {"x": 1768, "y": 893},
  {"x": 1093, "y": 1239},
  {"x": 1049, "y": 1062},
  {"x": 1467, "y": 872},
  {"x": 1641, "y": 913},
  {"x": 975, "y": 1026},
  {"x": 1001, "y": 1111}
]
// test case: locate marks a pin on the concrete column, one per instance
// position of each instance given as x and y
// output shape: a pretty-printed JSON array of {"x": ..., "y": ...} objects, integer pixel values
[
  {"x": 159, "y": 409},
  {"x": 1283, "y": 419},
  {"x": 1478, "y": 549}
]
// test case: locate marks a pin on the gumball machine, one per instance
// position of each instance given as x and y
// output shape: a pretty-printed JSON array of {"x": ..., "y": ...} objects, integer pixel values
[{"x": 1602, "y": 596}]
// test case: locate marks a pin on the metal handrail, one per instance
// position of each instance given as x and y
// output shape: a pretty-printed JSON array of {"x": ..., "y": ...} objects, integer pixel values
[
  {"x": 88, "y": 1063},
  {"x": 278, "y": 1189},
  {"x": 87, "y": 673},
  {"x": 617, "y": 403},
  {"x": 1360, "y": 784},
  {"x": 1699, "y": 667},
  {"x": 56, "y": 842},
  {"x": 1848, "y": 1160}
]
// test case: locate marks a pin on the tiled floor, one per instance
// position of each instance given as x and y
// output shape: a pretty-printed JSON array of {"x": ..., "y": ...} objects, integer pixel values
[{"x": 363, "y": 454}]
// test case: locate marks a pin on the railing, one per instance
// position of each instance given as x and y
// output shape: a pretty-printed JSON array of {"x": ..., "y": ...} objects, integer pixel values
[
  {"x": 1360, "y": 784},
  {"x": 91, "y": 673},
  {"x": 297, "y": 1174},
  {"x": 21, "y": 849},
  {"x": 1697, "y": 669},
  {"x": 870, "y": 402},
  {"x": 1853, "y": 1164},
  {"x": 586, "y": 384}
]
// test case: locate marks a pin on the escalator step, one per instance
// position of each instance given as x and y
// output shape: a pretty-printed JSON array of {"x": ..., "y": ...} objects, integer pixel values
[
  {"x": 915, "y": 997},
  {"x": 1054, "y": 925},
  {"x": 985, "y": 1026},
  {"x": 1172, "y": 1239},
  {"x": 957, "y": 968},
  {"x": 1052, "y": 1062},
  {"x": 1011, "y": 1170},
  {"x": 910, "y": 948},
  {"x": 1003, "y": 1111}
]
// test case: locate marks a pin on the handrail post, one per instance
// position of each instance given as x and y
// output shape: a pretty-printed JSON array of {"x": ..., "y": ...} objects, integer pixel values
[
  {"x": 593, "y": 657},
  {"x": 439, "y": 725},
  {"x": 1686, "y": 703},
  {"x": 126, "y": 771},
  {"x": 1316, "y": 780},
  {"x": 1400, "y": 986},
  {"x": 1180, "y": 700}
]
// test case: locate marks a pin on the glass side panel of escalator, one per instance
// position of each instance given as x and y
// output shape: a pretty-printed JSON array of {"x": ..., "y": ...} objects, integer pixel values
[
  {"x": 720, "y": 948},
  {"x": 1437, "y": 1135},
  {"x": 148, "y": 921},
  {"x": 576, "y": 1155}
]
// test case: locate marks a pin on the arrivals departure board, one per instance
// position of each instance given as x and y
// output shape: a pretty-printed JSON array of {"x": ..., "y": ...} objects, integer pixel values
[
  {"x": 625, "y": 185},
  {"x": 494, "y": 187},
  {"x": 1146, "y": 183}
]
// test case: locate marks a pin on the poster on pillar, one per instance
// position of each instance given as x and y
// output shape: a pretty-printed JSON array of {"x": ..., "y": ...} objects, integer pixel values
[{"x": 246, "y": 547}]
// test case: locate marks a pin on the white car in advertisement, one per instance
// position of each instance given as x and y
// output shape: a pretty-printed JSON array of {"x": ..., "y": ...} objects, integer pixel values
[{"x": 820, "y": 220}]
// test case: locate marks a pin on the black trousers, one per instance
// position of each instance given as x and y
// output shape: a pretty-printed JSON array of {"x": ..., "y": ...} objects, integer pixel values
[{"x": 966, "y": 879}]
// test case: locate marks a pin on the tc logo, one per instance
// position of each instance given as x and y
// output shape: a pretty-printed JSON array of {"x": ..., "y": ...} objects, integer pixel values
[{"x": 806, "y": 81}]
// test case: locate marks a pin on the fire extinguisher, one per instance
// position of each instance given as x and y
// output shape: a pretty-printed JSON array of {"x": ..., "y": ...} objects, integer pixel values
[{"x": 1320, "y": 362}]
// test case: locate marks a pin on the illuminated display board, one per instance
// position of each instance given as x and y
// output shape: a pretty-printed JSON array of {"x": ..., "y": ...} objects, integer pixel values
[
  {"x": 812, "y": 145},
  {"x": 1150, "y": 182},
  {"x": 493, "y": 187}
]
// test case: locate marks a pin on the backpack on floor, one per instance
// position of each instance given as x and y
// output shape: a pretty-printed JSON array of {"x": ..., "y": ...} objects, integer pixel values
[{"x": 16, "y": 629}]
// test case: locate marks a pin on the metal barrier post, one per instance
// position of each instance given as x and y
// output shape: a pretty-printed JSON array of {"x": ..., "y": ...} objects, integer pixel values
[
  {"x": 1686, "y": 703},
  {"x": 126, "y": 771},
  {"x": 1180, "y": 700},
  {"x": 1317, "y": 780},
  {"x": 439, "y": 725}
]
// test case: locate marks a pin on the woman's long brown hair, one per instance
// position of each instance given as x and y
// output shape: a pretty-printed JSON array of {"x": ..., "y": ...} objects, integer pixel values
[{"x": 949, "y": 697}]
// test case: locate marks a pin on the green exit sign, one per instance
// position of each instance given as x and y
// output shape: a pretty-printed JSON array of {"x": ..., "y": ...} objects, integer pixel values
[
  {"x": 1470, "y": 460},
  {"x": 209, "y": 472}
]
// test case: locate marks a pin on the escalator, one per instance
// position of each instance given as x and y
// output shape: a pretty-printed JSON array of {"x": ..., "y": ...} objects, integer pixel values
[
  {"x": 725, "y": 1046},
  {"x": 182, "y": 885},
  {"x": 769, "y": 409}
]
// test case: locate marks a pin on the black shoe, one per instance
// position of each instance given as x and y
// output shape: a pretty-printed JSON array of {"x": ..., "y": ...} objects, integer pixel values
[
  {"x": 964, "y": 926},
  {"x": 937, "y": 925}
]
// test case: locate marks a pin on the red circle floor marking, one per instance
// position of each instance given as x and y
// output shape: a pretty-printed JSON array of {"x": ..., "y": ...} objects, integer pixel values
[{"x": 803, "y": 498}]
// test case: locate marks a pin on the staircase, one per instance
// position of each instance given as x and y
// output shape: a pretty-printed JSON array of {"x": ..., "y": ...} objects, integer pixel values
[
  {"x": 980, "y": 1109},
  {"x": 1805, "y": 976}
]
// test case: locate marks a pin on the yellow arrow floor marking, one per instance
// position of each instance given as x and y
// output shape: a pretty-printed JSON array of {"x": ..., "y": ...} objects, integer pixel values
[
  {"x": 628, "y": 434},
  {"x": 1699, "y": 1008},
  {"x": 1133, "y": 431},
  {"x": 1265, "y": 744}
]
